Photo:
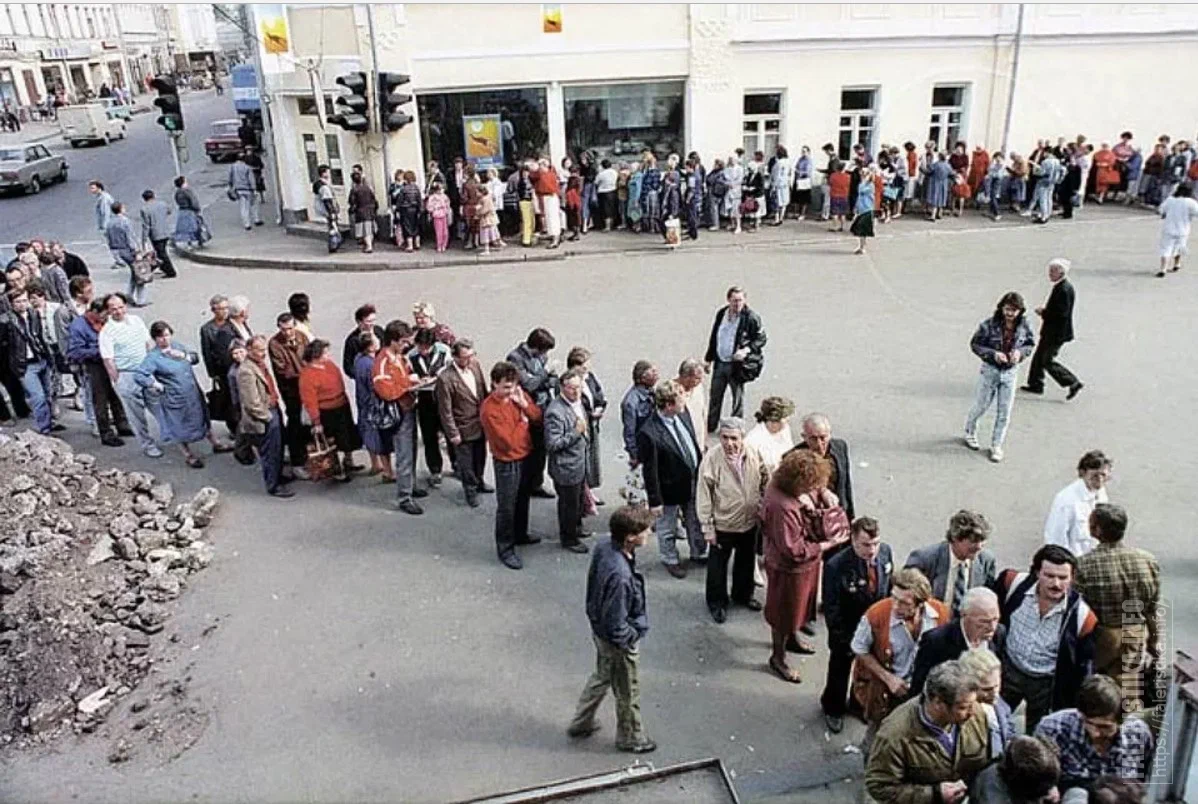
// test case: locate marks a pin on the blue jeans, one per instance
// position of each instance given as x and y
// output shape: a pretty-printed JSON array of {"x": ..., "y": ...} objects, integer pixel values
[
  {"x": 1042, "y": 202},
  {"x": 270, "y": 451},
  {"x": 993, "y": 383},
  {"x": 404, "y": 439},
  {"x": 136, "y": 401},
  {"x": 994, "y": 190},
  {"x": 667, "y": 532},
  {"x": 85, "y": 393},
  {"x": 589, "y": 198},
  {"x": 36, "y": 381}
]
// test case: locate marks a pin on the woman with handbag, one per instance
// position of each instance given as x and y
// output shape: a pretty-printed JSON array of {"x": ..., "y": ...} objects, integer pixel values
[
  {"x": 800, "y": 521},
  {"x": 322, "y": 391},
  {"x": 377, "y": 442},
  {"x": 122, "y": 243},
  {"x": 803, "y": 172},
  {"x": 182, "y": 415}
]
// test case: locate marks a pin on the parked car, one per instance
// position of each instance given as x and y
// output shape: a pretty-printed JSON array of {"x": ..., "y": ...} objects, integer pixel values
[
  {"x": 89, "y": 123},
  {"x": 28, "y": 168},
  {"x": 224, "y": 143},
  {"x": 116, "y": 109}
]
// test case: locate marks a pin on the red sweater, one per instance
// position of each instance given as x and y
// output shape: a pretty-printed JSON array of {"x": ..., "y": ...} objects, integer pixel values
[
  {"x": 393, "y": 380},
  {"x": 321, "y": 388},
  {"x": 507, "y": 426}
]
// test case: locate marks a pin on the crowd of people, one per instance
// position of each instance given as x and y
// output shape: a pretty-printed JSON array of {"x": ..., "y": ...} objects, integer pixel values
[{"x": 538, "y": 201}]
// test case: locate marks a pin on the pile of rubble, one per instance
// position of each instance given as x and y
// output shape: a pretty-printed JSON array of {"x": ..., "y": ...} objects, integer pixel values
[{"x": 90, "y": 560}]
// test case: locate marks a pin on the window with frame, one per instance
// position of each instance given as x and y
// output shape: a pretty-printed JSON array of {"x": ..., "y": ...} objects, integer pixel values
[
  {"x": 947, "y": 123},
  {"x": 858, "y": 119},
  {"x": 762, "y": 124},
  {"x": 332, "y": 146},
  {"x": 306, "y": 106}
]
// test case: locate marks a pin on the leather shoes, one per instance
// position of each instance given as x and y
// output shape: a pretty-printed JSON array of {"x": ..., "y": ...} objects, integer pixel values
[
  {"x": 719, "y": 614},
  {"x": 677, "y": 570},
  {"x": 483, "y": 488},
  {"x": 699, "y": 561},
  {"x": 641, "y": 746},
  {"x": 529, "y": 540},
  {"x": 512, "y": 561},
  {"x": 1030, "y": 390},
  {"x": 419, "y": 493},
  {"x": 753, "y": 604},
  {"x": 112, "y": 441},
  {"x": 57, "y": 428},
  {"x": 1073, "y": 389},
  {"x": 575, "y": 547},
  {"x": 807, "y": 630},
  {"x": 835, "y": 723},
  {"x": 543, "y": 493},
  {"x": 124, "y": 432},
  {"x": 283, "y": 492},
  {"x": 409, "y": 507}
]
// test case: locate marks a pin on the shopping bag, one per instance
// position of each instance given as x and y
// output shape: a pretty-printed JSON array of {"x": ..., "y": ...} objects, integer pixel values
[
  {"x": 335, "y": 239},
  {"x": 143, "y": 268},
  {"x": 673, "y": 231},
  {"x": 322, "y": 458}
]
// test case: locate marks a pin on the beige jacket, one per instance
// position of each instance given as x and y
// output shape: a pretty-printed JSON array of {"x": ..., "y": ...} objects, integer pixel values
[{"x": 725, "y": 503}]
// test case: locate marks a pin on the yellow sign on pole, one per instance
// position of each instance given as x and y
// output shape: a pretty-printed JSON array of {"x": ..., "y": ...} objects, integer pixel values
[
  {"x": 272, "y": 28},
  {"x": 551, "y": 18}
]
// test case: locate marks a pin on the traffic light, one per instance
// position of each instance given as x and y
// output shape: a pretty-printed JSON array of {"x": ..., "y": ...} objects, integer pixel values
[
  {"x": 391, "y": 117},
  {"x": 351, "y": 109},
  {"x": 168, "y": 101}
]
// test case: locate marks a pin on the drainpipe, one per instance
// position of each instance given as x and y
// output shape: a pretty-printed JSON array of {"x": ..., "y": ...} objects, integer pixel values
[{"x": 1006, "y": 129}]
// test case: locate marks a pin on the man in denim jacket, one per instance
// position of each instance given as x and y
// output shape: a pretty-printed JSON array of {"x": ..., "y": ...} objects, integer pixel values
[{"x": 1002, "y": 341}]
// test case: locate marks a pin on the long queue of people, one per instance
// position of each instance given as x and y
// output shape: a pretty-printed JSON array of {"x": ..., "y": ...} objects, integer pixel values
[{"x": 677, "y": 197}]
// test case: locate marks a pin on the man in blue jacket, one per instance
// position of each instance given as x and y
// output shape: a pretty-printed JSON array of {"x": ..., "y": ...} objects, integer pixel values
[
  {"x": 83, "y": 349},
  {"x": 619, "y": 620}
]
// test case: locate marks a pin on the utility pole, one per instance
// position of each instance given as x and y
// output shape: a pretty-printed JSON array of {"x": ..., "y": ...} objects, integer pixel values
[
  {"x": 374, "y": 63},
  {"x": 249, "y": 24},
  {"x": 1006, "y": 129}
]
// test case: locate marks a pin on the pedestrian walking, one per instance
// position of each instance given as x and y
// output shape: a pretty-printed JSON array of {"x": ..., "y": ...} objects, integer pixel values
[
  {"x": 1001, "y": 342},
  {"x": 156, "y": 232},
  {"x": 616, "y": 608},
  {"x": 103, "y": 208},
  {"x": 243, "y": 188},
  {"x": 1068, "y": 522},
  {"x": 123, "y": 245},
  {"x": 1178, "y": 214},
  {"x": 1056, "y": 330},
  {"x": 734, "y": 354},
  {"x": 190, "y": 226}
]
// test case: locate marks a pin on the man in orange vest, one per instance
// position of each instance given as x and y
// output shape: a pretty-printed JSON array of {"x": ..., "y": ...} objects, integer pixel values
[{"x": 886, "y": 642}]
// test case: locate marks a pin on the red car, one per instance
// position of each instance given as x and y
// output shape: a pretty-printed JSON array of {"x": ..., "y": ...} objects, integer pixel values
[{"x": 224, "y": 144}]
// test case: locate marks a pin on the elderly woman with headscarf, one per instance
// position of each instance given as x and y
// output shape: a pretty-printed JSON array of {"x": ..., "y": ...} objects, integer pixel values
[{"x": 791, "y": 538}]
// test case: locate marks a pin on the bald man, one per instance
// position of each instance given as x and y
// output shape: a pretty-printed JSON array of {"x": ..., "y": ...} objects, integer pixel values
[
  {"x": 978, "y": 627},
  {"x": 1056, "y": 330}
]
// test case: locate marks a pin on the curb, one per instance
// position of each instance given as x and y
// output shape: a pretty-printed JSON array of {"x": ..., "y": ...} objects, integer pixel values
[{"x": 329, "y": 266}]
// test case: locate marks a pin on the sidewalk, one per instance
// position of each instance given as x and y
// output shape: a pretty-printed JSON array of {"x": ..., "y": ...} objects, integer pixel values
[
  {"x": 31, "y": 133},
  {"x": 270, "y": 246}
]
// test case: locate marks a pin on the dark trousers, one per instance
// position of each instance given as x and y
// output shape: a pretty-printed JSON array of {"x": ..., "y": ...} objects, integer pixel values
[
  {"x": 692, "y": 221},
  {"x": 836, "y": 689},
  {"x": 222, "y": 406},
  {"x": 107, "y": 405},
  {"x": 569, "y": 511},
  {"x": 164, "y": 256},
  {"x": 535, "y": 463},
  {"x": 296, "y": 433},
  {"x": 1018, "y": 686},
  {"x": 270, "y": 451},
  {"x": 511, "y": 504},
  {"x": 429, "y": 419},
  {"x": 744, "y": 545},
  {"x": 1065, "y": 196},
  {"x": 723, "y": 377},
  {"x": 1044, "y": 359},
  {"x": 16, "y": 393},
  {"x": 470, "y": 462}
]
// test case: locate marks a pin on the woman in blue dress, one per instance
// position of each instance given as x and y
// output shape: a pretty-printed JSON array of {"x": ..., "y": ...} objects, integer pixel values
[
  {"x": 863, "y": 221},
  {"x": 190, "y": 226},
  {"x": 938, "y": 175},
  {"x": 376, "y": 443},
  {"x": 183, "y": 416}
]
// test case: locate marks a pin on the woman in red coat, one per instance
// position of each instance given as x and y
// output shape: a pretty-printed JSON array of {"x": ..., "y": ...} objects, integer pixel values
[
  {"x": 979, "y": 164},
  {"x": 792, "y": 552},
  {"x": 1106, "y": 174}
]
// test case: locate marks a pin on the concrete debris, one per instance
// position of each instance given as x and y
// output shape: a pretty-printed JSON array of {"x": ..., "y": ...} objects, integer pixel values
[{"x": 91, "y": 559}]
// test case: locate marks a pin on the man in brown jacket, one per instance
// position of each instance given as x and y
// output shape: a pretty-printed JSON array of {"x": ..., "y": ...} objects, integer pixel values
[
  {"x": 931, "y": 747},
  {"x": 260, "y": 422},
  {"x": 460, "y": 390},
  {"x": 287, "y": 358}
]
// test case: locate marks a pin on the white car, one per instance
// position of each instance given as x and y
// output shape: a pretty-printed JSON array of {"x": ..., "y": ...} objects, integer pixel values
[{"x": 89, "y": 123}]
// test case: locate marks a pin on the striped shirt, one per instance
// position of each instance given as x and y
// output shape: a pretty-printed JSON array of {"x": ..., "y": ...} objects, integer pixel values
[
  {"x": 1033, "y": 641},
  {"x": 124, "y": 342}
]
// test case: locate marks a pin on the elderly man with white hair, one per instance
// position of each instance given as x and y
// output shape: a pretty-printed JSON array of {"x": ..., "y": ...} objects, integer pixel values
[
  {"x": 1056, "y": 330},
  {"x": 239, "y": 318},
  {"x": 986, "y": 668},
  {"x": 978, "y": 627},
  {"x": 731, "y": 482}
]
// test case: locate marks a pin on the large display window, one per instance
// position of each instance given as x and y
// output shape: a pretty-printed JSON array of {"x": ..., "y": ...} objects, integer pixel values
[
  {"x": 619, "y": 121},
  {"x": 488, "y": 127}
]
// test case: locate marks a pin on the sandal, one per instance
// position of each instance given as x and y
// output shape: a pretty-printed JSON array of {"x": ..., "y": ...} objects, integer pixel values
[
  {"x": 785, "y": 673},
  {"x": 195, "y": 462}
]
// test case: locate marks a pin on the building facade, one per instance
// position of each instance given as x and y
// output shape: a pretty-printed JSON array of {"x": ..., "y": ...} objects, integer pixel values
[
  {"x": 671, "y": 78},
  {"x": 194, "y": 26},
  {"x": 48, "y": 48},
  {"x": 146, "y": 39}
]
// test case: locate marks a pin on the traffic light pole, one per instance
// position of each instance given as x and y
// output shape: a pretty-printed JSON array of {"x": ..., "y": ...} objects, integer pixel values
[
  {"x": 174, "y": 142},
  {"x": 374, "y": 59}
]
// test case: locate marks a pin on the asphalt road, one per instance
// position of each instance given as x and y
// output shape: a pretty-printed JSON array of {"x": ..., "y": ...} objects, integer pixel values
[
  {"x": 126, "y": 167},
  {"x": 365, "y": 655}
]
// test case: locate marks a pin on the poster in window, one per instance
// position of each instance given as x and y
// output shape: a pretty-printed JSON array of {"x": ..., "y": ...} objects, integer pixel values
[
  {"x": 484, "y": 143},
  {"x": 551, "y": 18}
]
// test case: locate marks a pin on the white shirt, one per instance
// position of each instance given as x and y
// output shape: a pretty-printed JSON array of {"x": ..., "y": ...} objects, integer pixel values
[
  {"x": 772, "y": 446},
  {"x": 606, "y": 180},
  {"x": 1068, "y": 521},
  {"x": 467, "y": 377},
  {"x": 124, "y": 342},
  {"x": 1178, "y": 212},
  {"x": 577, "y": 407}
]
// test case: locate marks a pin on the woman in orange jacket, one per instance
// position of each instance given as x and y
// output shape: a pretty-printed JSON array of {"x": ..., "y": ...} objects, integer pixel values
[{"x": 322, "y": 392}]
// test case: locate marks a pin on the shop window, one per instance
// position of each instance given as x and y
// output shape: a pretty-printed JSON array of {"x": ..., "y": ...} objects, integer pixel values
[
  {"x": 307, "y": 106},
  {"x": 332, "y": 146},
  {"x": 620, "y": 121},
  {"x": 947, "y": 125},
  {"x": 762, "y": 124},
  {"x": 857, "y": 120},
  {"x": 518, "y": 115}
]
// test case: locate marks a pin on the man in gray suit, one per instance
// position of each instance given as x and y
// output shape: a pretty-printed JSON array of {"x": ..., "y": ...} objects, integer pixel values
[
  {"x": 959, "y": 563},
  {"x": 566, "y": 443},
  {"x": 156, "y": 230}
]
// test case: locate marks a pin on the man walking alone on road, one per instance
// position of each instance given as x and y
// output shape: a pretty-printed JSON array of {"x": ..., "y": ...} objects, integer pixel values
[
  {"x": 1055, "y": 331},
  {"x": 243, "y": 188},
  {"x": 733, "y": 355},
  {"x": 619, "y": 620},
  {"x": 156, "y": 231}
]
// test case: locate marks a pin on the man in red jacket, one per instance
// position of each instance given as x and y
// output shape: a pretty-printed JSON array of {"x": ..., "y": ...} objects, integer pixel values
[
  {"x": 507, "y": 413},
  {"x": 394, "y": 382}
]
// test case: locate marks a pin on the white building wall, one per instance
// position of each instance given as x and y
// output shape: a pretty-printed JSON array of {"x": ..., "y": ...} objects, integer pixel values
[{"x": 197, "y": 27}]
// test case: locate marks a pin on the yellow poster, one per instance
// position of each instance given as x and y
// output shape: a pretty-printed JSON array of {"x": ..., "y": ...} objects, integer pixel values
[
  {"x": 272, "y": 28},
  {"x": 551, "y": 18},
  {"x": 484, "y": 145}
]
